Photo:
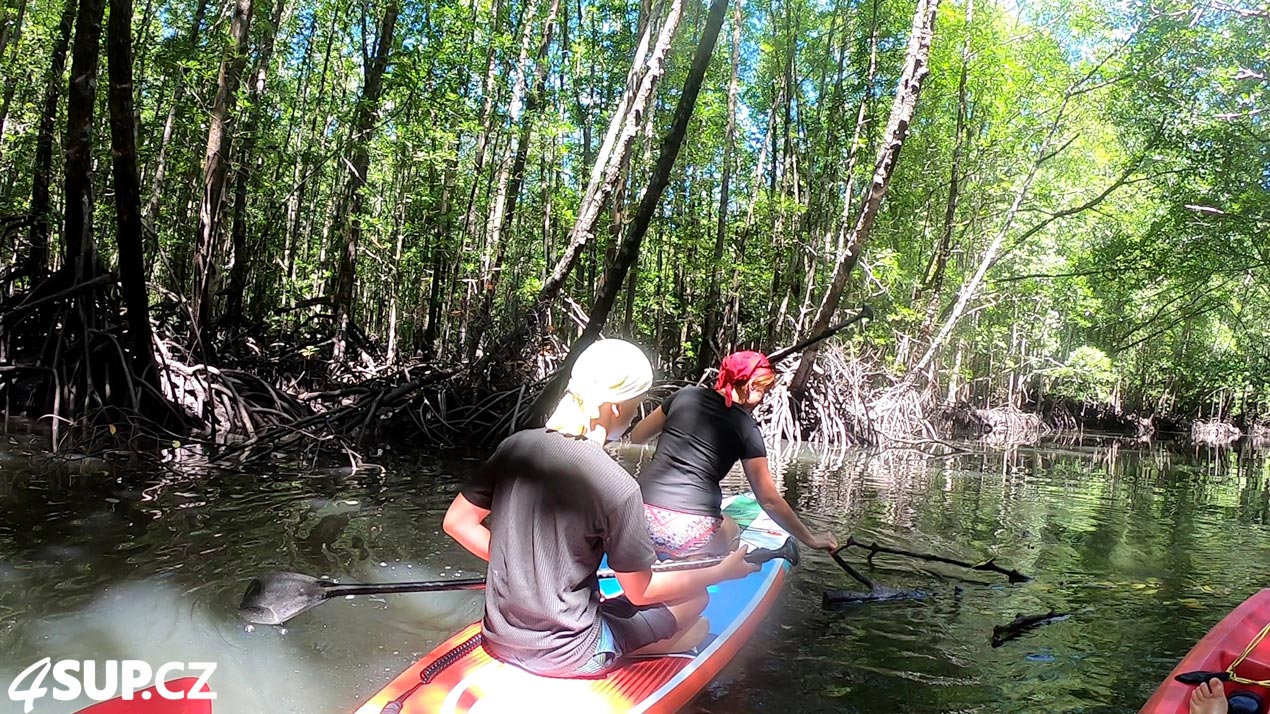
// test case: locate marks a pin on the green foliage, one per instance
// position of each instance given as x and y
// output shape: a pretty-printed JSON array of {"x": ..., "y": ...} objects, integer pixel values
[
  {"x": 1087, "y": 376},
  {"x": 1163, "y": 277}
]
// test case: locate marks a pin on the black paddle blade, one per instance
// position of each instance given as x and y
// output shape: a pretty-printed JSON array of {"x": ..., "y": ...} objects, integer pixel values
[
  {"x": 273, "y": 598},
  {"x": 1201, "y": 677},
  {"x": 788, "y": 551}
]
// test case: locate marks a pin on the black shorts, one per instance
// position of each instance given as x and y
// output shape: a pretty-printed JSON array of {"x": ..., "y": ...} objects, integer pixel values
[{"x": 635, "y": 627}]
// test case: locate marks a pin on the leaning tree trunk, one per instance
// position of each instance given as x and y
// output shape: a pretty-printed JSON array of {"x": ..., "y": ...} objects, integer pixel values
[
  {"x": 709, "y": 348},
  {"x": 80, "y": 253},
  {"x": 627, "y": 122},
  {"x": 359, "y": 164},
  {"x": 42, "y": 175},
  {"x": 990, "y": 256},
  {"x": 629, "y": 251},
  {"x": 132, "y": 267},
  {"x": 916, "y": 67},
  {"x": 216, "y": 167}
]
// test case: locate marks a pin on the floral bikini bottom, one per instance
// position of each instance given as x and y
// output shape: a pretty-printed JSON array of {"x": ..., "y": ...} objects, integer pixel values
[{"x": 676, "y": 534}]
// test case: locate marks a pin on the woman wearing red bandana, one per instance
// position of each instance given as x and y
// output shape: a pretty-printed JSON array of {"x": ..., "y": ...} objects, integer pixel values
[{"x": 704, "y": 432}]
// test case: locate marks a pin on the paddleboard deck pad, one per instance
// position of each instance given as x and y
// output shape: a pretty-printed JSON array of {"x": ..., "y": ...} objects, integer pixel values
[{"x": 459, "y": 677}]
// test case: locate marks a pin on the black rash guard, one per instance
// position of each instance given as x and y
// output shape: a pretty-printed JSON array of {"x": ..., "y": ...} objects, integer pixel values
[{"x": 701, "y": 440}]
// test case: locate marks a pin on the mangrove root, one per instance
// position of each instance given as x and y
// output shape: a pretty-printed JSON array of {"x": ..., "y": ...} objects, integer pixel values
[
  {"x": 1022, "y": 623},
  {"x": 989, "y": 564}
]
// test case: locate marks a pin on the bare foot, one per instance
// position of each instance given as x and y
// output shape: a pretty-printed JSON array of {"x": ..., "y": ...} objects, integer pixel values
[{"x": 1209, "y": 698}]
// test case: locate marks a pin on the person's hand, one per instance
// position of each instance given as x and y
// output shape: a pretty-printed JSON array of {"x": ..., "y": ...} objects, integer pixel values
[
  {"x": 824, "y": 541},
  {"x": 735, "y": 566}
]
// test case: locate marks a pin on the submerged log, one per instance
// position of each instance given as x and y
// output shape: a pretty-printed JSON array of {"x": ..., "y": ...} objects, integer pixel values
[
  {"x": 1022, "y": 623},
  {"x": 832, "y": 599}
]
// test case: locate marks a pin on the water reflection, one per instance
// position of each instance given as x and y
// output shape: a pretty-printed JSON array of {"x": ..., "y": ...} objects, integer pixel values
[{"x": 1146, "y": 545}]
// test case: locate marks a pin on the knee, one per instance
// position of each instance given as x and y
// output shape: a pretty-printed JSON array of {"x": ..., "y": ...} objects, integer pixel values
[
  {"x": 687, "y": 611},
  {"x": 694, "y": 606}
]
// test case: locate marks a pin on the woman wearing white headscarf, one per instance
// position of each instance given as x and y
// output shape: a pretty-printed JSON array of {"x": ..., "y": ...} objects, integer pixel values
[
  {"x": 555, "y": 504},
  {"x": 610, "y": 375}
]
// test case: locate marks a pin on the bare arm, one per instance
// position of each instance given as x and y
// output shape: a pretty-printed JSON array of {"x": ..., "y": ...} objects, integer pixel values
[
  {"x": 647, "y": 587},
  {"x": 760, "y": 478},
  {"x": 464, "y": 523},
  {"x": 648, "y": 427}
]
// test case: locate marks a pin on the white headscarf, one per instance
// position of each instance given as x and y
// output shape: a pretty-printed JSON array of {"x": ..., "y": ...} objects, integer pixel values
[{"x": 609, "y": 371}]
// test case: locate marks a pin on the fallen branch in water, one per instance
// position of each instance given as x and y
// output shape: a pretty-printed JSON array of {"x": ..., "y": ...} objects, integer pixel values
[
  {"x": 1022, "y": 623},
  {"x": 989, "y": 564},
  {"x": 852, "y": 571},
  {"x": 840, "y": 598}
]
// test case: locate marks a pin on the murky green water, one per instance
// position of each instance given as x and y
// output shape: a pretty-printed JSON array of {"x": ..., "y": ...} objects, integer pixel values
[{"x": 1146, "y": 546}]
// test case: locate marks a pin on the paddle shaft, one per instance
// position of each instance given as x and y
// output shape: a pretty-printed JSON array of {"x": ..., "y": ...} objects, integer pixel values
[
  {"x": 865, "y": 313},
  {"x": 757, "y": 556}
]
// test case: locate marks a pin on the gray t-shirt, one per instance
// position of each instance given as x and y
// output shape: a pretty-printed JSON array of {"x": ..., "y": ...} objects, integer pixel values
[{"x": 557, "y": 505}]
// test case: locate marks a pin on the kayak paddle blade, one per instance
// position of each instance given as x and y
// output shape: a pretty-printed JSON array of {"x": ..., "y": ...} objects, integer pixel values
[
  {"x": 1200, "y": 677},
  {"x": 273, "y": 598}
]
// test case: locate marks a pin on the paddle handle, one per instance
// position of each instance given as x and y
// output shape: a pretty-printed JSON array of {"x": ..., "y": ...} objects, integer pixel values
[
  {"x": 865, "y": 313},
  {"x": 758, "y": 556}
]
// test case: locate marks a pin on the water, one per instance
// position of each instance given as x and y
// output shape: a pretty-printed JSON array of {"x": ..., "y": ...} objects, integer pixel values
[{"x": 1147, "y": 547}]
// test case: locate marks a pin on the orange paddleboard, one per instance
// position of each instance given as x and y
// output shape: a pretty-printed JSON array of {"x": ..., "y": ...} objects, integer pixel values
[{"x": 459, "y": 677}]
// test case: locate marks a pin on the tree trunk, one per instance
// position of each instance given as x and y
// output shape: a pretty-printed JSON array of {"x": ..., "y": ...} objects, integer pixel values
[
  {"x": 625, "y": 125},
  {"x": 169, "y": 124},
  {"x": 132, "y": 267},
  {"x": 247, "y": 160},
  {"x": 216, "y": 166},
  {"x": 934, "y": 282},
  {"x": 11, "y": 35},
  {"x": 42, "y": 175},
  {"x": 359, "y": 163},
  {"x": 1044, "y": 153},
  {"x": 629, "y": 251},
  {"x": 80, "y": 252},
  {"x": 709, "y": 348},
  {"x": 443, "y": 222},
  {"x": 510, "y": 177},
  {"x": 916, "y": 67}
]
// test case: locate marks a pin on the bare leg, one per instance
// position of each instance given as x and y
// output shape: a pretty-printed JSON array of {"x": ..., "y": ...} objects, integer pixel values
[
  {"x": 1209, "y": 698},
  {"x": 692, "y": 627}
]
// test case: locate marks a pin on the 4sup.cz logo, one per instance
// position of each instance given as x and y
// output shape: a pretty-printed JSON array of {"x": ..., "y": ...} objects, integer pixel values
[{"x": 126, "y": 679}]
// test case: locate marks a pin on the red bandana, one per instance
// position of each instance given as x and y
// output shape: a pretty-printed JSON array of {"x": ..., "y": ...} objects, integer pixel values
[{"x": 739, "y": 368}]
